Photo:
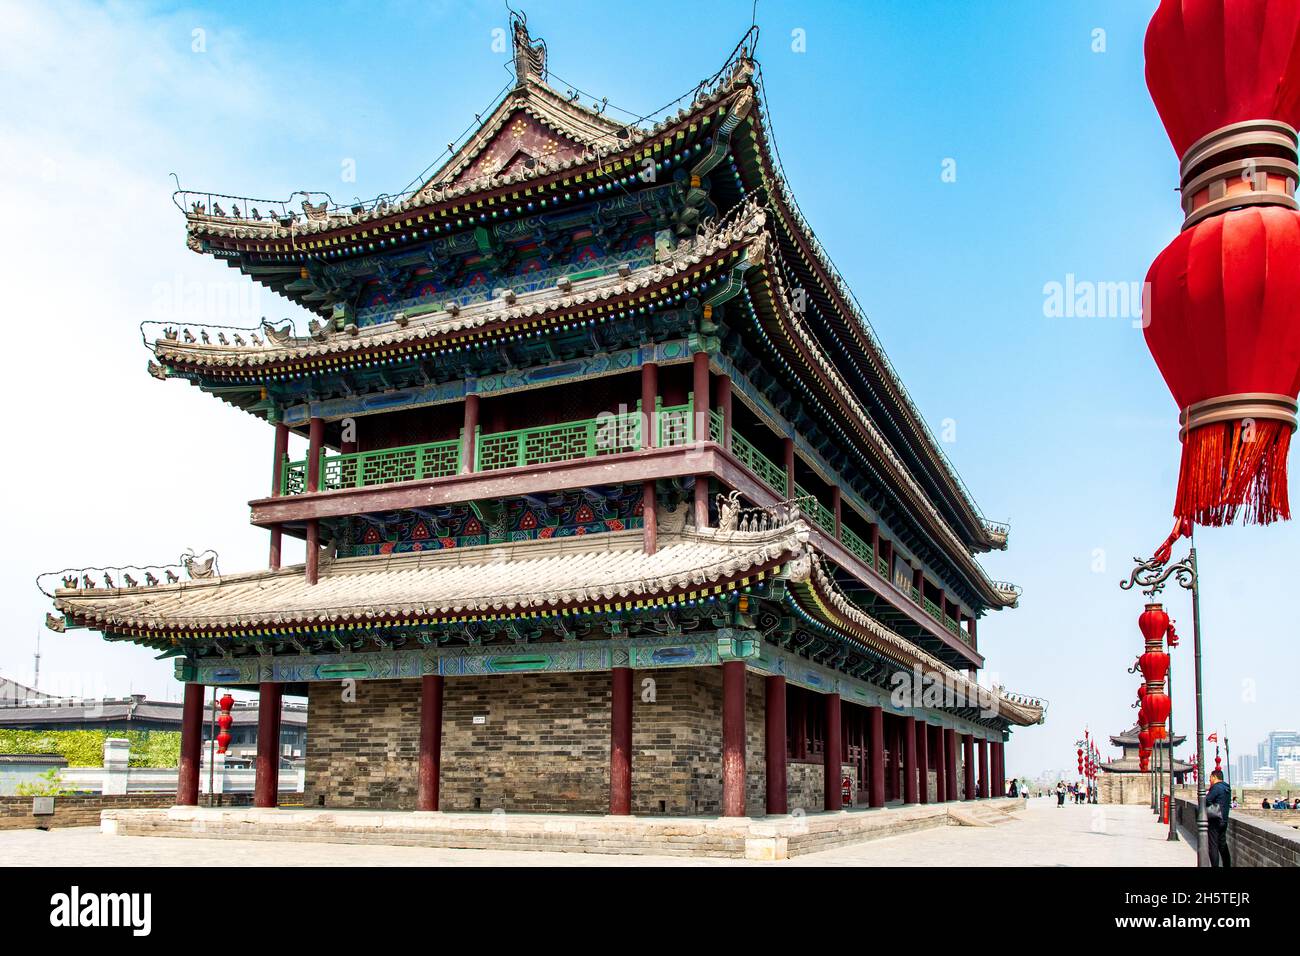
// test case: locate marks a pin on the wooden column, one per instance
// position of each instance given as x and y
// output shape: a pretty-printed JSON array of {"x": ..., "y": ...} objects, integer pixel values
[
  {"x": 974, "y": 639},
  {"x": 909, "y": 760},
  {"x": 266, "y": 780},
  {"x": 733, "y": 738},
  {"x": 620, "y": 741},
  {"x": 940, "y": 765},
  {"x": 968, "y": 762},
  {"x": 876, "y": 754},
  {"x": 922, "y": 745},
  {"x": 649, "y": 519},
  {"x": 999, "y": 768},
  {"x": 778, "y": 790},
  {"x": 722, "y": 399},
  {"x": 836, "y": 507},
  {"x": 700, "y": 397},
  {"x": 984, "y": 769},
  {"x": 187, "y": 778},
  {"x": 469, "y": 435},
  {"x": 649, "y": 405},
  {"x": 315, "y": 435},
  {"x": 430, "y": 766},
  {"x": 832, "y": 759},
  {"x": 788, "y": 457},
  {"x": 950, "y": 762},
  {"x": 277, "y": 476},
  {"x": 875, "y": 547}
]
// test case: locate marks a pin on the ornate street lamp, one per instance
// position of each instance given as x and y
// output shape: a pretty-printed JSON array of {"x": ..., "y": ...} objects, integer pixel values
[{"x": 1150, "y": 577}]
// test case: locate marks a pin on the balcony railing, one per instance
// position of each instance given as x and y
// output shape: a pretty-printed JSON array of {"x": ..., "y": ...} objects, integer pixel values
[
  {"x": 607, "y": 434},
  {"x": 543, "y": 444}
]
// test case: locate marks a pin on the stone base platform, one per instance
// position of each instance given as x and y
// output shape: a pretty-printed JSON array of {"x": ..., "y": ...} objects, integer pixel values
[{"x": 757, "y": 838}]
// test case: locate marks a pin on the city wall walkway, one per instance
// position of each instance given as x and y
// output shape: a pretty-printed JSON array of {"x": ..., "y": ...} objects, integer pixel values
[{"x": 1038, "y": 835}]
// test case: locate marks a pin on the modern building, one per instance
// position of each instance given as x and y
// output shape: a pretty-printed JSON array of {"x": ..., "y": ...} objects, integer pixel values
[
  {"x": 1264, "y": 777},
  {"x": 1246, "y": 767},
  {"x": 612, "y": 500},
  {"x": 1275, "y": 742}
]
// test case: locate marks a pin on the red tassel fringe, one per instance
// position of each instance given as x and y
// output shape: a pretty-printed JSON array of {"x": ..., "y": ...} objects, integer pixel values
[{"x": 1223, "y": 474}]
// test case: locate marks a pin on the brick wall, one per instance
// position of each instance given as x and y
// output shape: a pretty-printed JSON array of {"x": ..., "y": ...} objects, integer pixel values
[
  {"x": 544, "y": 744},
  {"x": 1253, "y": 839},
  {"x": 75, "y": 811}
]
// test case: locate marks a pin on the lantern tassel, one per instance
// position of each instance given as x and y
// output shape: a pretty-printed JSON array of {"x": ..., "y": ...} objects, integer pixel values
[{"x": 1232, "y": 468}]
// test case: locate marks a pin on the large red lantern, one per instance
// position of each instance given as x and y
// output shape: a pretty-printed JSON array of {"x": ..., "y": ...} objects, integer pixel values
[
  {"x": 1154, "y": 666},
  {"x": 1223, "y": 318},
  {"x": 1154, "y": 623}
]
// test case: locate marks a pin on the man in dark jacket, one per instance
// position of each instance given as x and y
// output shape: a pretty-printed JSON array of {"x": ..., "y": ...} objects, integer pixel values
[{"x": 1221, "y": 797}]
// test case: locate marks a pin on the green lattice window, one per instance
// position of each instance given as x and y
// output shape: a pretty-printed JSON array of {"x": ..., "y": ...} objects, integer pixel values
[
  {"x": 675, "y": 424},
  {"x": 767, "y": 470},
  {"x": 857, "y": 546}
]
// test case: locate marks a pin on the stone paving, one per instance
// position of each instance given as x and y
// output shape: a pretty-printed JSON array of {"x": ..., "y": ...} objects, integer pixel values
[{"x": 1042, "y": 835}]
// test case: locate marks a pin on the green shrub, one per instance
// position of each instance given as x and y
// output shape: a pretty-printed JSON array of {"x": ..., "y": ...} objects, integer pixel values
[{"x": 85, "y": 748}]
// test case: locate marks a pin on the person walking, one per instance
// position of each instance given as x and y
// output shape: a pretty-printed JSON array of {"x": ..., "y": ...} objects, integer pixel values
[
  {"x": 1060, "y": 794},
  {"x": 1217, "y": 807}
]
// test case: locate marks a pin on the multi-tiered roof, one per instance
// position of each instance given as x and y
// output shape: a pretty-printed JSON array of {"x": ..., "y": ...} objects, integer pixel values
[{"x": 409, "y": 296}]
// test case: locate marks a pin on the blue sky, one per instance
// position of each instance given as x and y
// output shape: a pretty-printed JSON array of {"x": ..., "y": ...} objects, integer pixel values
[{"x": 1063, "y": 425}]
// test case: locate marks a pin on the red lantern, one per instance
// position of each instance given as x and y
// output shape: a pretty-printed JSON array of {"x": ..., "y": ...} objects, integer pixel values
[
  {"x": 1153, "y": 623},
  {"x": 1154, "y": 666},
  {"x": 1155, "y": 710},
  {"x": 1223, "y": 320},
  {"x": 224, "y": 720}
]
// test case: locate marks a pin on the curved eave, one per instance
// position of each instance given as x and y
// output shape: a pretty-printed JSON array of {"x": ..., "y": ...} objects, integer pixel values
[
  {"x": 785, "y": 333},
  {"x": 222, "y": 234},
  {"x": 817, "y": 599},
  {"x": 853, "y": 336},
  {"x": 533, "y": 313}
]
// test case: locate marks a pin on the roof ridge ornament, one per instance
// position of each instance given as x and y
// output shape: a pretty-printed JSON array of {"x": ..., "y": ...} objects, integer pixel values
[{"x": 530, "y": 56}]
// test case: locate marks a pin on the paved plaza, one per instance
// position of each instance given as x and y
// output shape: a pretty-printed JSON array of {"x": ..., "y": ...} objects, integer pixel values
[{"x": 1041, "y": 835}]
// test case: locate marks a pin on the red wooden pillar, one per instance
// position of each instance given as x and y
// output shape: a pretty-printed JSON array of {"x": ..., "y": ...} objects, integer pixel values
[
  {"x": 778, "y": 790},
  {"x": 909, "y": 760},
  {"x": 950, "y": 757},
  {"x": 722, "y": 399},
  {"x": 649, "y": 519},
  {"x": 876, "y": 754},
  {"x": 1000, "y": 768},
  {"x": 940, "y": 765},
  {"x": 700, "y": 393},
  {"x": 832, "y": 759},
  {"x": 277, "y": 476},
  {"x": 968, "y": 760},
  {"x": 922, "y": 744},
  {"x": 836, "y": 507},
  {"x": 984, "y": 769},
  {"x": 469, "y": 435},
  {"x": 974, "y": 638},
  {"x": 788, "y": 455},
  {"x": 315, "y": 435},
  {"x": 187, "y": 779},
  {"x": 620, "y": 742},
  {"x": 266, "y": 781},
  {"x": 733, "y": 738},
  {"x": 649, "y": 403},
  {"x": 875, "y": 547},
  {"x": 430, "y": 767}
]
